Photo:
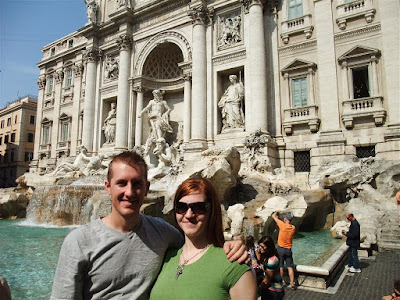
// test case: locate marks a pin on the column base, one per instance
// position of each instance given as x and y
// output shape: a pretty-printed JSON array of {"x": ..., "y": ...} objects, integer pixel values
[{"x": 195, "y": 146}]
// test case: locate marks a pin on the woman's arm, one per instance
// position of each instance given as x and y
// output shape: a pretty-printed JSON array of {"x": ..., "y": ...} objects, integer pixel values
[
  {"x": 244, "y": 288},
  {"x": 269, "y": 274}
]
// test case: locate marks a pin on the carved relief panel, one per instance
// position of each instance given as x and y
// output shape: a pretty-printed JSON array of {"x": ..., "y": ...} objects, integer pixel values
[{"x": 229, "y": 30}]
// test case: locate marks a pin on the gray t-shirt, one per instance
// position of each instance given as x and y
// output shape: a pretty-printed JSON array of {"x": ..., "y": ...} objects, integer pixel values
[{"x": 98, "y": 262}]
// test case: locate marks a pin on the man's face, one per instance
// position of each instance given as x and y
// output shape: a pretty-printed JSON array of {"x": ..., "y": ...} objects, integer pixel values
[{"x": 127, "y": 187}]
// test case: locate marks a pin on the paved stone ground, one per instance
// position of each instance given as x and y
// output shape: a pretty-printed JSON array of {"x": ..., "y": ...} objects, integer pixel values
[{"x": 375, "y": 281}]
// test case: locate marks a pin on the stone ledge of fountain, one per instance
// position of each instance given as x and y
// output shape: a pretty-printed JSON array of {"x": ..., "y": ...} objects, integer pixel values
[{"x": 321, "y": 277}]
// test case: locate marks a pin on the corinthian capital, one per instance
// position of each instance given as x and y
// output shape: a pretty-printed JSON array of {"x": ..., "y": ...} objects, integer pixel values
[
  {"x": 59, "y": 75},
  {"x": 268, "y": 5},
  {"x": 124, "y": 42},
  {"x": 201, "y": 15},
  {"x": 92, "y": 54},
  {"x": 41, "y": 82},
  {"x": 78, "y": 70}
]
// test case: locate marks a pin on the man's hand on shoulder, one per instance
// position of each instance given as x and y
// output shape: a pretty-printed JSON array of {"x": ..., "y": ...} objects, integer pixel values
[{"x": 236, "y": 251}]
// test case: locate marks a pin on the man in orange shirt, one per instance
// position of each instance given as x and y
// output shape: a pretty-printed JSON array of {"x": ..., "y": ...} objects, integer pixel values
[{"x": 285, "y": 242}]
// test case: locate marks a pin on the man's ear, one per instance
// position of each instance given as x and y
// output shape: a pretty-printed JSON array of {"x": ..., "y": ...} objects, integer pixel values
[{"x": 107, "y": 186}]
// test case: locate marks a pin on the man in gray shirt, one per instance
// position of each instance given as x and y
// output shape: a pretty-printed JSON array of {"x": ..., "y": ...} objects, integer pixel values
[{"x": 120, "y": 255}]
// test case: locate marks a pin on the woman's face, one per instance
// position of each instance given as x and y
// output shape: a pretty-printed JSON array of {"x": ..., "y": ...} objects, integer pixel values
[
  {"x": 193, "y": 221},
  {"x": 263, "y": 248}
]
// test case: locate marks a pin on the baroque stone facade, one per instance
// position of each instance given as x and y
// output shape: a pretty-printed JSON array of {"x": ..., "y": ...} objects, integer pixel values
[{"x": 320, "y": 80}]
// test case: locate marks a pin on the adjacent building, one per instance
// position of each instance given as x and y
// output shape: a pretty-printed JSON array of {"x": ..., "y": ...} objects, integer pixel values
[
  {"x": 321, "y": 78},
  {"x": 17, "y": 136}
]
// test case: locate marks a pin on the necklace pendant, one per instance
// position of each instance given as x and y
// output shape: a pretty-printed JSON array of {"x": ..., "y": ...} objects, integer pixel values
[{"x": 179, "y": 271}]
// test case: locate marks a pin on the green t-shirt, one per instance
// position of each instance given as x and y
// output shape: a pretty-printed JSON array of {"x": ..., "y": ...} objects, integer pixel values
[{"x": 210, "y": 277}]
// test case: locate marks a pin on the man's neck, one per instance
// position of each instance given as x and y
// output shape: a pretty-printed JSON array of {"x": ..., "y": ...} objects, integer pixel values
[{"x": 124, "y": 225}]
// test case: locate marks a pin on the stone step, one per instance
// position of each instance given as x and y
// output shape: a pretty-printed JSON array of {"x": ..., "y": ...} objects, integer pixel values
[
  {"x": 388, "y": 246},
  {"x": 390, "y": 235}
]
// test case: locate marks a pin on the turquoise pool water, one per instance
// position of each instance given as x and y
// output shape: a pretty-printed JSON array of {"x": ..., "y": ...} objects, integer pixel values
[
  {"x": 314, "y": 248},
  {"x": 28, "y": 257},
  {"x": 29, "y": 254}
]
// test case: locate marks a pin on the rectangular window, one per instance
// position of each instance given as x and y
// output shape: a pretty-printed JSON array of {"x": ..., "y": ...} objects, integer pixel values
[
  {"x": 302, "y": 161},
  {"x": 16, "y": 119},
  {"x": 70, "y": 43},
  {"x": 299, "y": 90},
  {"x": 9, "y": 122},
  {"x": 68, "y": 78},
  {"x": 2, "y": 124},
  {"x": 6, "y": 139},
  {"x": 363, "y": 152},
  {"x": 28, "y": 156},
  {"x": 31, "y": 137},
  {"x": 31, "y": 119},
  {"x": 1, "y": 140},
  {"x": 46, "y": 135},
  {"x": 52, "y": 51},
  {"x": 295, "y": 9},
  {"x": 13, "y": 137},
  {"x": 50, "y": 84},
  {"x": 360, "y": 82},
  {"x": 64, "y": 132}
]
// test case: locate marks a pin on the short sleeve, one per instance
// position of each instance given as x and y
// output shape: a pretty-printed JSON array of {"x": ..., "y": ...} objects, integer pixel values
[
  {"x": 273, "y": 263},
  {"x": 233, "y": 272}
]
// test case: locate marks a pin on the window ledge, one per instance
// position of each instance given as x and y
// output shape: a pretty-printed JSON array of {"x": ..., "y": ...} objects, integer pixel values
[
  {"x": 302, "y": 115},
  {"x": 297, "y": 26},
  {"x": 361, "y": 108},
  {"x": 353, "y": 10}
]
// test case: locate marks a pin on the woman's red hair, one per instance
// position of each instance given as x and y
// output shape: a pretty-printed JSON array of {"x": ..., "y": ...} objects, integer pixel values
[{"x": 214, "y": 232}]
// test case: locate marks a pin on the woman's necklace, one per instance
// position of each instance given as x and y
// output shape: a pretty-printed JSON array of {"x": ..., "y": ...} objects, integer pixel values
[{"x": 179, "y": 269}]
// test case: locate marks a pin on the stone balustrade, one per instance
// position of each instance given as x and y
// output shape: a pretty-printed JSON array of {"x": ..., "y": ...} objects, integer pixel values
[
  {"x": 297, "y": 26},
  {"x": 362, "y": 108},
  {"x": 355, "y": 9},
  {"x": 301, "y": 115}
]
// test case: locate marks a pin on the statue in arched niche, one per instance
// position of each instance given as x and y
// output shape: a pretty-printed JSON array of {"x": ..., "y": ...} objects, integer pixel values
[
  {"x": 231, "y": 105},
  {"x": 158, "y": 114},
  {"x": 110, "y": 124}
]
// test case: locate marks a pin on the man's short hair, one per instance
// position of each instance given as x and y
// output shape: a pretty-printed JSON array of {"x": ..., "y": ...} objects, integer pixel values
[
  {"x": 397, "y": 285},
  {"x": 130, "y": 158}
]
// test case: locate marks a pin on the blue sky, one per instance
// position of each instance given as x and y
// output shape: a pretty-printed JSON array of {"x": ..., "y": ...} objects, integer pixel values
[{"x": 25, "y": 27}]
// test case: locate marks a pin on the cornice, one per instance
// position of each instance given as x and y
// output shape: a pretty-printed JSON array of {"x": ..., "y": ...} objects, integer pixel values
[
  {"x": 229, "y": 57},
  {"x": 298, "y": 46},
  {"x": 358, "y": 31}
]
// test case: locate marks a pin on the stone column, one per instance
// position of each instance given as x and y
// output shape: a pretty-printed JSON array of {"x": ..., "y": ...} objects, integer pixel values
[
  {"x": 38, "y": 131},
  {"x": 200, "y": 18},
  {"x": 139, "y": 108},
  {"x": 374, "y": 71},
  {"x": 186, "y": 109},
  {"x": 121, "y": 136},
  {"x": 256, "y": 82},
  {"x": 91, "y": 57},
  {"x": 287, "y": 89},
  {"x": 78, "y": 72},
  {"x": 310, "y": 78},
  {"x": 326, "y": 57},
  {"x": 58, "y": 77},
  {"x": 345, "y": 81}
]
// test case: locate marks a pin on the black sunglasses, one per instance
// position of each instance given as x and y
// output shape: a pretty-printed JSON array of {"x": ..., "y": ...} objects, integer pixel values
[{"x": 198, "y": 208}]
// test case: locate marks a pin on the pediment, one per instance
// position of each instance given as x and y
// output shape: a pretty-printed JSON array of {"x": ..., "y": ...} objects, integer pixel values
[
  {"x": 64, "y": 116},
  {"x": 359, "y": 51},
  {"x": 46, "y": 120},
  {"x": 298, "y": 64}
]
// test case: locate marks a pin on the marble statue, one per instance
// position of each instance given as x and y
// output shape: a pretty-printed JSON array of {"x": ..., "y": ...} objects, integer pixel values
[
  {"x": 111, "y": 68},
  {"x": 79, "y": 163},
  {"x": 126, "y": 3},
  {"x": 231, "y": 105},
  {"x": 91, "y": 11},
  {"x": 95, "y": 165},
  {"x": 158, "y": 114},
  {"x": 110, "y": 124}
]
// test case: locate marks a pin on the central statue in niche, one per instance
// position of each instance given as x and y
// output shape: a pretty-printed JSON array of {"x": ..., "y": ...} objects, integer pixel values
[
  {"x": 158, "y": 114},
  {"x": 231, "y": 105}
]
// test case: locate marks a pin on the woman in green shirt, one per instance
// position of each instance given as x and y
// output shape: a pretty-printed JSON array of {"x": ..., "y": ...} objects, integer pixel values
[{"x": 200, "y": 270}]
